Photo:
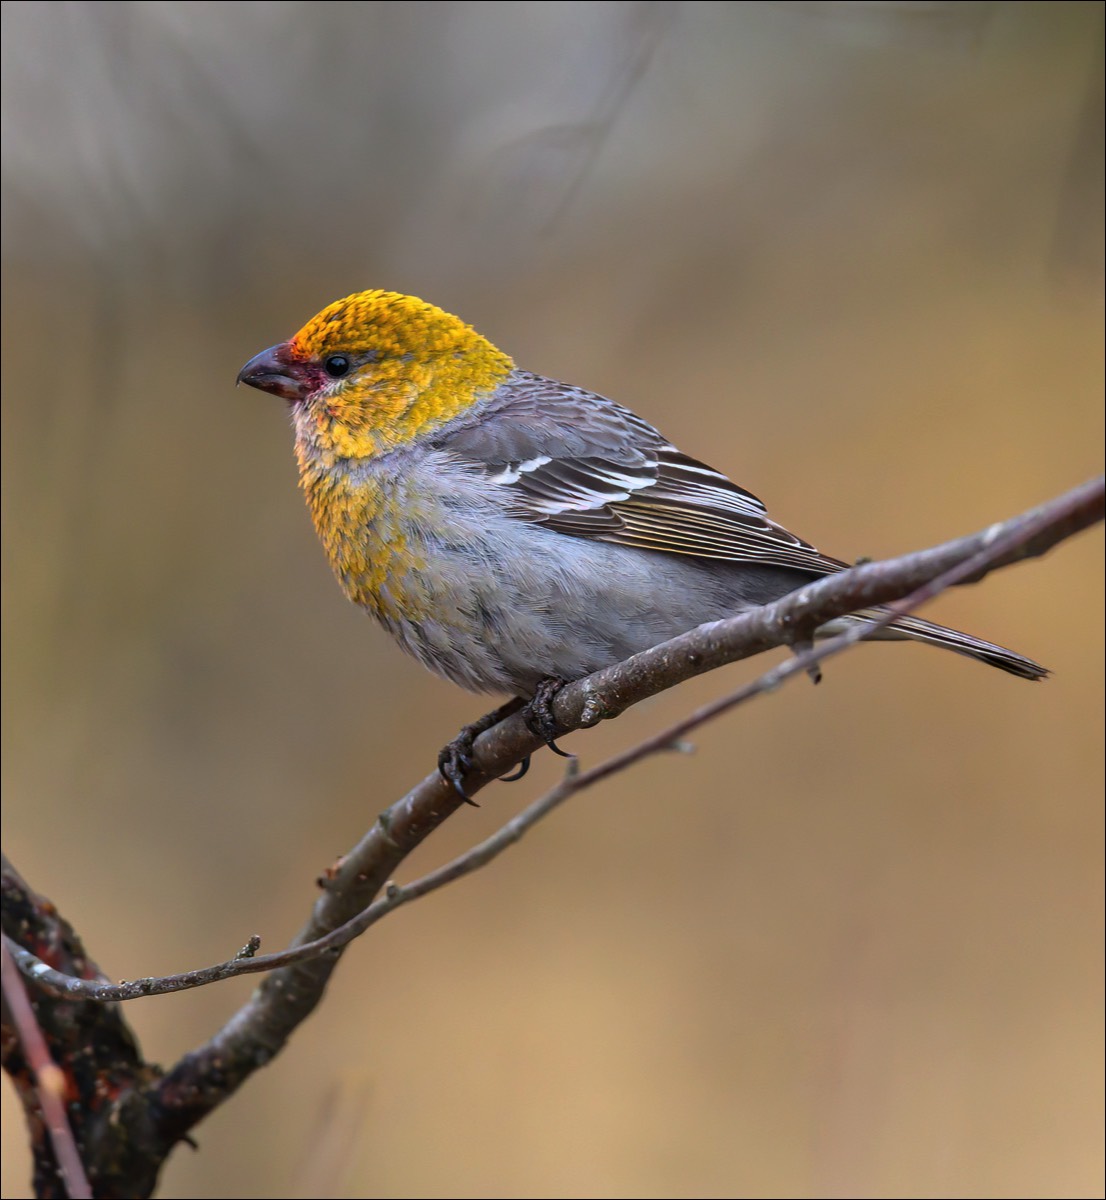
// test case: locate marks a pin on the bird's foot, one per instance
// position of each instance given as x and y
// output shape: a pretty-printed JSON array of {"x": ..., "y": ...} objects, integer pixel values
[
  {"x": 538, "y": 714},
  {"x": 455, "y": 759}
]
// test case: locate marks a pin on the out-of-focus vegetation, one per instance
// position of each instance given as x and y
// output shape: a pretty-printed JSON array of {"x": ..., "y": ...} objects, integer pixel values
[{"x": 850, "y": 253}]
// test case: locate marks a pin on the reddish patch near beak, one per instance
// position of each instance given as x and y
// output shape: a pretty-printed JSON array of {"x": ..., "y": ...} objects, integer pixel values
[{"x": 277, "y": 372}]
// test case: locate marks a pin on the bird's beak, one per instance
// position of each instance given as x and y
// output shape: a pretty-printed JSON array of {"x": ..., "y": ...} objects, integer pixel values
[{"x": 275, "y": 371}]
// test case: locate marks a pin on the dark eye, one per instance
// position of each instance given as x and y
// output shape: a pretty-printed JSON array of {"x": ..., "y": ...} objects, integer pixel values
[{"x": 336, "y": 366}]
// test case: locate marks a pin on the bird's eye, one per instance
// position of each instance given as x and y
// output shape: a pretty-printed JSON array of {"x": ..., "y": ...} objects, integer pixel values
[{"x": 336, "y": 366}]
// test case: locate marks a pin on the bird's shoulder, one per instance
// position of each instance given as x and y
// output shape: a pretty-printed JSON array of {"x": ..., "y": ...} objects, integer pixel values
[{"x": 530, "y": 416}]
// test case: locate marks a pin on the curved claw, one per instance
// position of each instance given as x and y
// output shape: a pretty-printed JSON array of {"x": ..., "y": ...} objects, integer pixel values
[
  {"x": 454, "y": 762},
  {"x": 515, "y": 776},
  {"x": 455, "y": 759},
  {"x": 455, "y": 777},
  {"x": 538, "y": 714}
]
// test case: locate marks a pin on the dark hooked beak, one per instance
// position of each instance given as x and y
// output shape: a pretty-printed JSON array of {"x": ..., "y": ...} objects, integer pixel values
[{"x": 273, "y": 371}]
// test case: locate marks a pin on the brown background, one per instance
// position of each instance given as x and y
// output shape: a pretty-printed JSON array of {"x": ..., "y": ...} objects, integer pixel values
[{"x": 850, "y": 254}]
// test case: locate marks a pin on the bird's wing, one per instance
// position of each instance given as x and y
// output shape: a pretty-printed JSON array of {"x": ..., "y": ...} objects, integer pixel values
[{"x": 582, "y": 465}]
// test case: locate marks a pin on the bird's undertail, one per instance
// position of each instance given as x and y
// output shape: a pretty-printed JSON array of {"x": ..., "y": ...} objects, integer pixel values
[{"x": 916, "y": 629}]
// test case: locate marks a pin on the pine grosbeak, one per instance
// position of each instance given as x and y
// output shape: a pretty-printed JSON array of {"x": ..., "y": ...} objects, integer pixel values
[{"x": 509, "y": 530}]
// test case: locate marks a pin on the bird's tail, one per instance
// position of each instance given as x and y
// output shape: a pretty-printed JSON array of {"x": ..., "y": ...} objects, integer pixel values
[{"x": 916, "y": 629}]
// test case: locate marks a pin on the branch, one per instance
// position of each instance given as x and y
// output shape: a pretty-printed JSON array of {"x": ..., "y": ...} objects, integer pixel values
[
  {"x": 207, "y": 1076},
  {"x": 99, "y": 1066},
  {"x": 49, "y": 1081},
  {"x": 690, "y": 654}
]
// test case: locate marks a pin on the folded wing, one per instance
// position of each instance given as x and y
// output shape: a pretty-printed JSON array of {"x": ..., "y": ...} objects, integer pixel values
[{"x": 582, "y": 465}]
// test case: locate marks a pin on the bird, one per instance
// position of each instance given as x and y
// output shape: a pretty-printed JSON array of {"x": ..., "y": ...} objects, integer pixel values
[{"x": 512, "y": 532}]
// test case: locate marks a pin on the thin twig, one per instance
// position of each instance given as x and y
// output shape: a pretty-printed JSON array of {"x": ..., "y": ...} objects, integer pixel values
[
  {"x": 296, "y": 981},
  {"x": 1000, "y": 544},
  {"x": 49, "y": 1079}
]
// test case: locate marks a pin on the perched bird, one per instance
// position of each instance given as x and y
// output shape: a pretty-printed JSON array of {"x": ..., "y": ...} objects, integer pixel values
[{"x": 513, "y": 532}]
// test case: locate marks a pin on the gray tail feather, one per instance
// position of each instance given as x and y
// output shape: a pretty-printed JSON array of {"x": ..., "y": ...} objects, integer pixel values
[{"x": 917, "y": 629}]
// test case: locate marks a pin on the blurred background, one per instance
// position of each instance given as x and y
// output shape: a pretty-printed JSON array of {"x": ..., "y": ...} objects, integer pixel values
[{"x": 849, "y": 253}]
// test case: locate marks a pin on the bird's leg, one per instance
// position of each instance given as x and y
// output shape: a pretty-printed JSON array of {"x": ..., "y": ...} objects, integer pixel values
[
  {"x": 538, "y": 714},
  {"x": 455, "y": 759}
]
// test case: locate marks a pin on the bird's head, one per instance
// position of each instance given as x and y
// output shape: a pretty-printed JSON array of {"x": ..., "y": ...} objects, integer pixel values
[{"x": 376, "y": 370}]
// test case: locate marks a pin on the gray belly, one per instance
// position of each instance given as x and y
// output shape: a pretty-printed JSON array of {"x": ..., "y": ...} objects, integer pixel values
[{"x": 553, "y": 604}]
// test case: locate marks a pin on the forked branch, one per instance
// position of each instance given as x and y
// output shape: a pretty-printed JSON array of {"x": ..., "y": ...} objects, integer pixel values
[{"x": 352, "y": 902}]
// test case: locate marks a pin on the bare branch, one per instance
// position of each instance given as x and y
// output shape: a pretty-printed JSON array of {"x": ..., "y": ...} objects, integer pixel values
[
  {"x": 49, "y": 1079},
  {"x": 607, "y": 694},
  {"x": 105, "y": 1077},
  {"x": 1011, "y": 541},
  {"x": 208, "y": 1075}
]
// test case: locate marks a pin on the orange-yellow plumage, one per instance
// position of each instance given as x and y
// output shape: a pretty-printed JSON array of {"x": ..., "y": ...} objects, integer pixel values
[
  {"x": 424, "y": 367},
  {"x": 414, "y": 368}
]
